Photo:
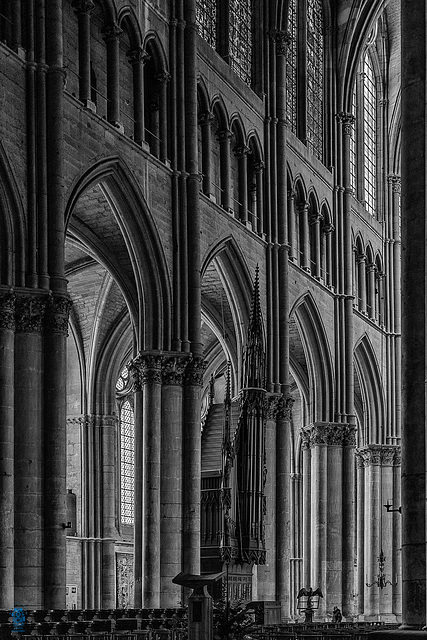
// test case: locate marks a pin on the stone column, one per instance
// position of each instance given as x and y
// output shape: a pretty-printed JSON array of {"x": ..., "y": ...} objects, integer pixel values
[
  {"x": 306, "y": 508},
  {"x": 205, "y": 121},
  {"x": 328, "y": 261},
  {"x": 138, "y": 555},
  {"x": 291, "y": 224},
  {"x": 171, "y": 478},
  {"x": 7, "y": 327},
  {"x": 361, "y": 266},
  {"x": 258, "y": 224},
  {"x": 108, "y": 429},
  {"x": 84, "y": 9},
  {"x": 304, "y": 237},
  {"x": 242, "y": 164},
  {"x": 315, "y": 221},
  {"x": 137, "y": 58},
  {"x": 397, "y": 538},
  {"x": 28, "y": 465},
  {"x": 55, "y": 449},
  {"x": 224, "y": 138},
  {"x": 162, "y": 82},
  {"x": 360, "y": 532},
  {"x": 112, "y": 38},
  {"x": 348, "y": 519},
  {"x": 192, "y": 466},
  {"x": 372, "y": 269}
]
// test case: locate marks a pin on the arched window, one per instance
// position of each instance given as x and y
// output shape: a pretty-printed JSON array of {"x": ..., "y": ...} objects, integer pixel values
[
  {"x": 127, "y": 447},
  {"x": 227, "y": 27},
  {"x": 315, "y": 77},
  {"x": 369, "y": 134},
  {"x": 305, "y": 73}
]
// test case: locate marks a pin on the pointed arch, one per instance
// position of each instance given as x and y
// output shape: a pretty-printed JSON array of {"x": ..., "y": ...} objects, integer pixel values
[
  {"x": 12, "y": 227},
  {"x": 371, "y": 422},
  {"x": 151, "y": 308},
  {"x": 317, "y": 357},
  {"x": 128, "y": 21}
]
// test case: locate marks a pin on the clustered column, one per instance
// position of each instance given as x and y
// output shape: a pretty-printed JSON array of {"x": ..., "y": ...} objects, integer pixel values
[{"x": 328, "y": 497}]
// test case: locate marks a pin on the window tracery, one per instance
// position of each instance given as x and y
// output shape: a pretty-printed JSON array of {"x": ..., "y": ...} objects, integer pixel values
[
  {"x": 127, "y": 447},
  {"x": 369, "y": 134},
  {"x": 206, "y": 19},
  {"x": 315, "y": 77}
]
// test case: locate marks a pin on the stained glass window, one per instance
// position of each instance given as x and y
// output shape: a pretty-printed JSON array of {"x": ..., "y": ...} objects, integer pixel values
[
  {"x": 315, "y": 77},
  {"x": 206, "y": 17},
  {"x": 291, "y": 69},
  {"x": 127, "y": 464},
  {"x": 127, "y": 447},
  {"x": 240, "y": 38},
  {"x": 369, "y": 134},
  {"x": 353, "y": 170}
]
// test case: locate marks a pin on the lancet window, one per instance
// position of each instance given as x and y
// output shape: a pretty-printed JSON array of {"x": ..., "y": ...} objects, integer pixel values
[
  {"x": 304, "y": 71},
  {"x": 126, "y": 446}
]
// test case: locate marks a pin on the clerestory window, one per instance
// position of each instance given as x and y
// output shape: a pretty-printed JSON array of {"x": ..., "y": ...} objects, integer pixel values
[{"x": 127, "y": 447}]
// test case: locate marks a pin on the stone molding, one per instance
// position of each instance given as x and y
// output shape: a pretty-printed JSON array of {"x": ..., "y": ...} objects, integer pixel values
[
  {"x": 282, "y": 40},
  {"x": 347, "y": 120},
  {"x": 112, "y": 32},
  {"x": 194, "y": 371},
  {"x": 384, "y": 455},
  {"x": 57, "y": 314},
  {"x": 173, "y": 369},
  {"x": 138, "y": 56},
  {"x": 30, "y": 312},
  {"x": 328, "y": 433},
  {"x": 157, "y": 367}
]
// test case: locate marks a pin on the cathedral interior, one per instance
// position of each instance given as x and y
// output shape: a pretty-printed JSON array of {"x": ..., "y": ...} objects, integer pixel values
[{"x": 212, "y": 303}]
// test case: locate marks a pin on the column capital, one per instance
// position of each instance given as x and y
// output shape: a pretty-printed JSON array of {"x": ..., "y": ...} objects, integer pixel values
[
  {"x": 145, "y": 368},
  {"x": 347, "y": 120},
  {"x": 282, "y": 40},
  {"x": 328, "y": 433},
  {"x": 259, "y": 166},
  {"x": 241, "y": 151},
  {"x": 395, "y": 181},
  {"x": 303, "y": 206},
  {"x": 173, "y": 369},
  {"x": 163, "y": 77},
  {"x": 30, "y": 312},
  {"x": 292, "y": 194},
  {"x": 83, "y": 6},
  {"x": 279, "y": 407},
  {"x": 224, "y": 134},
  {"x": 206, "y": 118},
  {"x": 112, "y": 32},
  {"x": 7, "y": 310},
  {"x": 382, "y": 455},
  {"x": 194, "y": 371},
  {"x": 315, "y": 217},
  {"x": 328, "y": 228},
  {"x": 138, "y": 55},
  {"x": 57, "y": 314}
]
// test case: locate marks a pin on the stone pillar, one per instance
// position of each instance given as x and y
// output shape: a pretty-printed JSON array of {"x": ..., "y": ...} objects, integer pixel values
[
  {"x": 291, "y": 224},
  {"x": 224, "y": 138},
  {"x": 162, "y": 82},
  {"x": 397, "y": 539},
  {"x": 108, "y": 429},
  {"x": 171, "y": 478},
  {"x": 205, "y": 121},
  {"x": 258, "y": 223},
  {"x": 55, "y": 450},
  {"x": 328, "y": 261},
  {"x": 112, "y": 36},
  {"x": 319, "y": 502},
  {"x": 137, "y": 58},
  {"x": 28, "y": 465},
  {"x": 242, "y": 163},
  {"x": 150, "y": 371},
  {"x": 371, "y": 291},
  {"x": 348, "y": 520},
  {"x": 192, "y": 466},
  {"x": 7, "y": 326},
  {"x": 84, "y": 9},
  {"x": 315, "y": 221},
  {"x": 361, "y": 266},
  {"x": 378, "y": 461},
  {"x": 304, "y": 237},
  {"x": 138, "y": 555},
  {"x": 306, "y": 507},
  {"x": 360, "y": 532}
]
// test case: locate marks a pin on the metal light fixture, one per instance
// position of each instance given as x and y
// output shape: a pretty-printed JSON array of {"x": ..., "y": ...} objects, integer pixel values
[{"x": 381, "y": 581}]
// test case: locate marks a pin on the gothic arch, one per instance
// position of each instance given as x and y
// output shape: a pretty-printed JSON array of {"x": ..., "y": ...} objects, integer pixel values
[
  {"x": 154, "y": 46},
  {"x": 317, "y": 357},
  {"x": 147, "y": 288},
  {"x": 128, "y": 21},
  {"x": 12, "y": 251},
  {"x": 371, "y": 423}
]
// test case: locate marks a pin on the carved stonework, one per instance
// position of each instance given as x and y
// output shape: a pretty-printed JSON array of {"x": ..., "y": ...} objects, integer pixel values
[
  {"x": 347, "y": 120},
  {"x": 395, "y": 182},
  {"x": 163, "y": 77},
  {"x": 57, "y": 314},
  {"x": 83, "y": 6},
  {"x": 242, "y": 151},
  {"x": 328, "y": 433},
  {"x": 145, "y": 368},
  {"x": 7, "y": 311},
  {"x": 397, "y": 457},
  {"x": 282, "y": 40},
  {"x": 274, "y": 403},
  {"x": 173, "y": 370},
  {"x": 285, "y": 408},
  {"x": 138, "y": 56},
  {"x": 112, "y": 32},
  {"x": 124, "y": 574},
  {"x": 206, "y": 118},
  {"x": 194, "y": 371},
  {"x": 29, "y": 313},
  {"x": 379, "y": 455}
]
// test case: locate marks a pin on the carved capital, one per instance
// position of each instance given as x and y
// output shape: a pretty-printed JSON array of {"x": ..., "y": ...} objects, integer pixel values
[
  {"x": 206, "y": 118},
  {"x": 225, "y": 134},
  {"x": 347, "y": 120},
  {"x": 145, "y": 368},
  {"x": 112, "y": 32},
  {"x": 328, "y": 433},
  {"x": 241, "y": 151},
  {"x": 57, "y": 314},
  {"x": 328, "y": 228},
  {"x": 349, "y": 435},
  {"x": 29, "y": 312},
  {"x": 173, "y": 369},
  {"x": 282, "y": 40},
  {"x": 259, "y": 167},
  {"x": 83, "y": 6},
  {"x": 7, "y": 310},
  {"x": 163, "y": 77},
  {"x": 138, "y": 56},
  {"x": 382, "y": 455},
  {"x": 274, "y": 404},
  {"x": 194, "y": 371},
  {"x": 395, "y": 182}
]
